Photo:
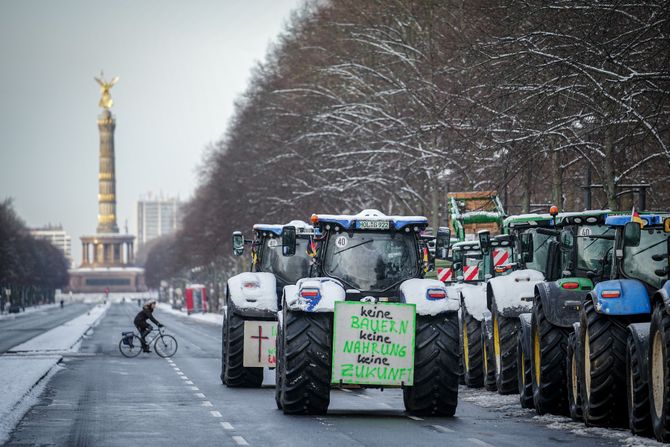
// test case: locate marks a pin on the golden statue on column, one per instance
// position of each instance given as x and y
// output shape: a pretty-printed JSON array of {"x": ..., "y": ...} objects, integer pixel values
[{"x": 106, "y": 101}]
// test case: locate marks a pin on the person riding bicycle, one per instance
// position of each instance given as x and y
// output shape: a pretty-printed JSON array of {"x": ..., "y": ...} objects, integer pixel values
[{"x": 141, "y": 324}]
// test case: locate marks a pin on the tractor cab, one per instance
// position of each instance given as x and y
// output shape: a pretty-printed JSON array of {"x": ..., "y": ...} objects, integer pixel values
[
  {"x": 469, "y": 264},
  {"x": 266, "y": 251},
  {"x": 369, "y": 253},
  {"x": 641, "y": 249},
  {"x": 530, "y": 244}
]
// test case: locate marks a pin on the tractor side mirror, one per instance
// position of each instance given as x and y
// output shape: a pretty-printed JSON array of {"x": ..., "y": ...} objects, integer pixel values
[
  {"x": 484, "y": 240},
  {"x": 442, "y": 242},
  {"x": 238, "y": 243},
  {"x": 631, "y": 234},
  {"x": 288, "y": 240}
]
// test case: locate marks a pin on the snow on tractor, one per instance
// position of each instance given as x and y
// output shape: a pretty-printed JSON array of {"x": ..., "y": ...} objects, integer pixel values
[
  {"x": 366, "y": 316},
  {"x": 471, "y": 268},
  {"x": 508, "y": 296},
  {"x": 579, "y": 249},
  {"x": 249, "y": 329},
  {"x": 622, "y": 343}
]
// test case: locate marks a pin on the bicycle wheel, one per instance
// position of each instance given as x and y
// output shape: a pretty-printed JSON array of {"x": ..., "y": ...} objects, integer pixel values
[
  {"x": 131, "y": 350},
  {"x": 165, "y": 345}
]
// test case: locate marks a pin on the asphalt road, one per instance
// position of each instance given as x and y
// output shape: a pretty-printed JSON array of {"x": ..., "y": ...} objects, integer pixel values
[
  {"x": 23, "y": 327},
  {"x": 100, "y": 398}
]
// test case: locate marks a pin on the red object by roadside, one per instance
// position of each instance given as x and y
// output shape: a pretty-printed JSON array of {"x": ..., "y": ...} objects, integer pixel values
[{"x": 195, "y": 298}]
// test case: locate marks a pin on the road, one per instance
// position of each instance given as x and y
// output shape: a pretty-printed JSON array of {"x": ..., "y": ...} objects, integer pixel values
[
  {"x": 26, "y": 326},
  {"x": 100, "y": 398}
]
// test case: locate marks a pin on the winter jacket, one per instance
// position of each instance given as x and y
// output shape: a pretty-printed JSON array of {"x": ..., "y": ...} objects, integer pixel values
[{"x": 145, "y": 314}]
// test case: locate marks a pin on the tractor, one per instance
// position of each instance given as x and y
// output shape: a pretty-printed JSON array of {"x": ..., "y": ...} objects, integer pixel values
[
  {"x": 372, "y": 263},
  {"x": 251, "y": 302}
]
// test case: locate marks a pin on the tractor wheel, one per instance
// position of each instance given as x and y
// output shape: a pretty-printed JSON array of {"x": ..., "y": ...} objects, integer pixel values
[
  {"x": 307, "y": 339},
  {"x": 473, "y": 369},
  {"x": 279, "y": 369},
  {"x": 487, "y": 360},
  {"x": 548, "y": 346},
  {"x": 603, "y": 346},
  {"x": 524, "y": 375},
  {"x": 504, "y": 351},
  {"x": 659, "y": 373},
  {"x": 637, "y": 390},
  {"x": 233, "y": 372},
  {"x": 435, "y": 389},
  {"x": 572, "y": 378}
]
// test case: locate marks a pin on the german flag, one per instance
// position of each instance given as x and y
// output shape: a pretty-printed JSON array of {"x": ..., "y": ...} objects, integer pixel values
[
  {"x": 312, "y": 248},
  {"x": 635, "y": 217}
]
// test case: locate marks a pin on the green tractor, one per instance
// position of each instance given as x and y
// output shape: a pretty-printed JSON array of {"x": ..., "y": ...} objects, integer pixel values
[{"x": 579, "y": 250}]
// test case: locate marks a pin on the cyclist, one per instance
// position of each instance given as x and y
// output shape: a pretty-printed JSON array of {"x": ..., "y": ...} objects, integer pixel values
[{"x": 141, "y": 323}]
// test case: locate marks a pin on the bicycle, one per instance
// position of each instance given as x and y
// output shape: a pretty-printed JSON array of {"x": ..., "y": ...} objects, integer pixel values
[{"x": 164, "y": 345}]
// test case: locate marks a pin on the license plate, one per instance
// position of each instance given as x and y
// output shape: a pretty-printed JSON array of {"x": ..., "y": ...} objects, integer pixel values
[{"x": 373, "y": 224}]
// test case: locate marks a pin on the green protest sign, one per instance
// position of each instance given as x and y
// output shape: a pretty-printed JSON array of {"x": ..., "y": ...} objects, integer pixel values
[{"x": 373, "y": 343}]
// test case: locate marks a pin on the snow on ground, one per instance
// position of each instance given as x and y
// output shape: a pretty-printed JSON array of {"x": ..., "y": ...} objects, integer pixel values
[
  {"x": 64, "y": 338},
  {"x": 207, "y": 317},
  {"x": 28, "y": 310},
  {"x": 511, "y": 407},
  {"x": 22, "y": 380}
]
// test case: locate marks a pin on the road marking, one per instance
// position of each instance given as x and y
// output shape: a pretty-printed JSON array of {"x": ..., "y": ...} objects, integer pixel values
[
  {"x": 227, "y": 426},
  {"x": 345, "y": 390},
  {"x": 442, "y": 429},
  {"x": 240, "y": 440},
  {"x": 188, "y": 382},
  {"x": 479, "y": 442},
  {"x": 194, "y": 388},
  {"x": 215, "y": 414},
  {"x": 207, "y": 404},
  {"x": 176, "y": 369},
  {"x": 416, "y": 418},
  {"x": 200, "y": 395},
  {"x": 183, "y": 377},
  {"x": 179, "y": 373},
  {"x": 363, "y": 396}
]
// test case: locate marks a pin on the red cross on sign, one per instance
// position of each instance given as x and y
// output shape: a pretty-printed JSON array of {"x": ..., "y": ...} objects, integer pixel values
[{"x": 260, "y": 338}]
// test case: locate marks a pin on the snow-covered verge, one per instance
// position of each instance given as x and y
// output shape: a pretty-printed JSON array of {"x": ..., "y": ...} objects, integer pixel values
[
  {"x": 26, "y": 368},
  {"x": 28, "y": 310},
  {"x": 63, "y": 338},
  {"x": 22, "y": 380},
  {"x": 207, "y": 317},
  {"x": 509, "y": 406}
]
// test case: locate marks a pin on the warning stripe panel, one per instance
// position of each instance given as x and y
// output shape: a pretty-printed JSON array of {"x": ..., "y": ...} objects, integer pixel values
[
  {"x": 500, "y": 257},
  {"x": 470, "y": 272},
  {"x": 444, "y": 274}
]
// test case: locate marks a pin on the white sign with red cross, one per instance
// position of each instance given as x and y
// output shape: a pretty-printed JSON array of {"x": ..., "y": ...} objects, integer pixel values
[
  {"x": 445, "y": 274},
  {"x": 259, "y": 344}
]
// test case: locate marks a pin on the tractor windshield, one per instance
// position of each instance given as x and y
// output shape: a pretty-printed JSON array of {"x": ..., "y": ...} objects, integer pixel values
[
  {"x": 288, "y": 268},
  {"x": 648, "y": 262},
  {"x": 371, "y": 261},
  {"x": 593, "y": 254}
]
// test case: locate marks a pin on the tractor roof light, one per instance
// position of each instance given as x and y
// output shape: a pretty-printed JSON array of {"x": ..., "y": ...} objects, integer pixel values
[
  {"x": 314, "y": 219},
  {"x": 553, "y": 210}
]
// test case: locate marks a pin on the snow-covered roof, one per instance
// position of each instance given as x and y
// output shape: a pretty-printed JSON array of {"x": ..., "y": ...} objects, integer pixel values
[
  {"x": 527, "y": 219},
  {"x": 300, "y": 226},
  {"x": 466, "y": 245},
  {"x": 348, "y": 220}
]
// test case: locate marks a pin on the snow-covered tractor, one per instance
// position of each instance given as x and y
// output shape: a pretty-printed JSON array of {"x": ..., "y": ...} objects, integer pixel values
[
  {"x": 366, "y": 316},
  {"x": 508, "y": 296},
  {"x": 579, "y": 249},
  {"x": 251, "y": 301},
  {"x": 623, "y": 338}
]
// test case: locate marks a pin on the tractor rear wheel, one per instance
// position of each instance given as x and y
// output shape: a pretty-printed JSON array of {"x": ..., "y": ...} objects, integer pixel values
[
  {"x": 524, "y": 375},
  {"x": 307, "y": 339},
  {"x": 659, "y": 373},
  {"x": 637, "y": 390},
  {"x": 572, "y": 378},
  {"x": 233, "y": 371},
  {"x": 488, "y": 362},
  {"x": 603, "y": 344},
  {"x": 548, "y": 346},
  {"x": 473, "y": 358},
  {"x": 504, "y": 350},
  {"x": 435, "y": 389}
]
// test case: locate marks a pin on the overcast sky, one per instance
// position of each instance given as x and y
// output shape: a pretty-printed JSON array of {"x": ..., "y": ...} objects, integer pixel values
[{"x": 181, "y": 65}]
